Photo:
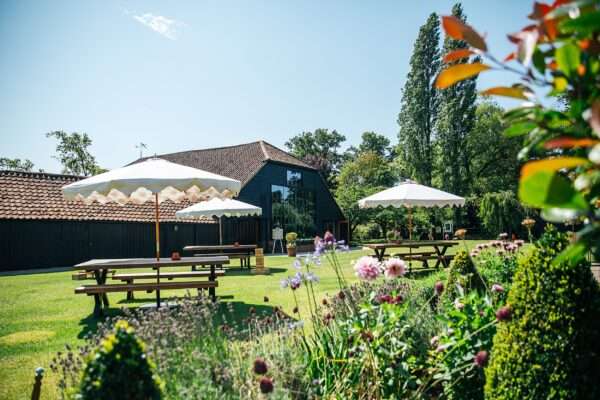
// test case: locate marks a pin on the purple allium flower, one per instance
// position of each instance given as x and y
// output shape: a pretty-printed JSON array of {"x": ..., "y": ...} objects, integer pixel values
[
  {"x": 367, "y": 268},
  {"x": 328, "y": 238},
  {"x": 311, "y": 277},
  {"x": 295, "y": 282},
  {"x": 266, "y": 385},
  {"x": 297, "y": 263},
  {"x": 504, "y": 314},
  {"x": 397, "y": 300},
  {"x": 394, "y": 267},
  {"x": 384, "y": 298},
  {"x": 496, "y": 288},
  {"x": 439, "y": 287},
  {"x": 481, "y": 358},
  {"x": 260, "y": 366}
]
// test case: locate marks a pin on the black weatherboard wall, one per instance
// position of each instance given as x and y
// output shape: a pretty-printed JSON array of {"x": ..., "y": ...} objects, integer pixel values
[
  {"x": 29, "y": 244},
  {"x": 258, "y": 191}
]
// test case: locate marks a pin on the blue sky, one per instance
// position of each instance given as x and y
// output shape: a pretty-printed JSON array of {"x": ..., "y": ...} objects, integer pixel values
[{"x": 183, "y": 75}]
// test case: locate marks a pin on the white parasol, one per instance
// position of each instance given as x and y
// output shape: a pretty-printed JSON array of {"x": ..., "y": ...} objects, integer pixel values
[
  {"x": 410, "y": 194},
  {"x": 219, "y": 207}
]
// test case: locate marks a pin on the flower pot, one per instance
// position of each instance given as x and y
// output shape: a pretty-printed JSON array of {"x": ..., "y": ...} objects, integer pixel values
[
  {"x": 291, "y": 251},
  {"x": 175, "y": 256},
  {"x": 596, "y": 270}
]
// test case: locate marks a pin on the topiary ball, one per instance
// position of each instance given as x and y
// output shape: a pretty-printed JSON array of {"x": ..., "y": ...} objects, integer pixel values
[
  {"x": 463, "y": 273},
  {"x": 120, "y": 370},
  {"x": 549, "y": 347}
]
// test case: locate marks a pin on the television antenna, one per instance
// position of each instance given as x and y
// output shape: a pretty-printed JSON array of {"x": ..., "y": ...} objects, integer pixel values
[{"x": 141, "y": 146}]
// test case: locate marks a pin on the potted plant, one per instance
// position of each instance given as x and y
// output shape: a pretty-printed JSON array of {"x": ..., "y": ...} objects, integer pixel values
[
  {"x": 394, "y": 236},
  {"x": 290, "y": 239}
]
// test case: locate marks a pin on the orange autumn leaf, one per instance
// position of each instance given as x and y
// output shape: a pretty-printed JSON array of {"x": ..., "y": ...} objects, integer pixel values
[
  {"x": 457, "y": 73},
  {"x": 458, "y": 30},
  {"x": 551, "y": 164},
  {"x": 566, "y": 142},
  {"x": 457, "y": 55},
  {"x": 514, "y": 92}
]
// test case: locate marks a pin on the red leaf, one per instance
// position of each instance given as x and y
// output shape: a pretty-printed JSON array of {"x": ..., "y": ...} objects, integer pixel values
[
  {"x": 457, "y": 55},
  {"x": 539, "y": 10},
  {"x": 458, "y": 30},
  {"x": 566, "y": 142},
  {"x": 510, "y": 57}
]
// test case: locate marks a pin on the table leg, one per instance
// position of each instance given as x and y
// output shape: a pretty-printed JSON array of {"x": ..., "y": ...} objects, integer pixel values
[
  {"x": 211, "y": 278},
  {"x": 100, "y": 276},
  {"x": 157, "y": 290},
  {"x": 441, "y": 259},
  {"x": 380, "y": 253},
  {"x": 104, "y": 295}
]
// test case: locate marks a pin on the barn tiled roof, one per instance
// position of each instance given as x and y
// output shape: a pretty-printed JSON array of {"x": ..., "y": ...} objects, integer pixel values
[
  {"x": 35, "y": 195},
  {"x": 239, "y": 162}
]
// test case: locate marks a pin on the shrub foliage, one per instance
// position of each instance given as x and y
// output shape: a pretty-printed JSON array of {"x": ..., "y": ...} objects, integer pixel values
[
  {"x": 549, "y": 349},
  {"x": 119, "y": 369},
  {"x": 463, "y": 273}
]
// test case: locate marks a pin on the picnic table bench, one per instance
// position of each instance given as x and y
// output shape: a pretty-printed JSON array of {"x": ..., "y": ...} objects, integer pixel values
[
  {"x": 100, "y": 269},
  {"x": 131, "y": 277},
  {"x": 439, "y": 251},
  {"x": 243, "y": 252}
]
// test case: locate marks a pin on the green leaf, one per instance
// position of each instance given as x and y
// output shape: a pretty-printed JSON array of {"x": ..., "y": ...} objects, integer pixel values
[
  {"x": 548, "y": 189},
  {"x": 539, "y": 60},
  {"x": 572, "y": 254},
  {"x": 518, "y": 129},
  {"x": 567, "y": 58},
  {"x": 584, "y": 24}
]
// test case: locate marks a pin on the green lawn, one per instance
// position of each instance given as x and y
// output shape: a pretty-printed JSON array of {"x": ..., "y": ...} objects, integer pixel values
[{"x": 39, "y": 314}]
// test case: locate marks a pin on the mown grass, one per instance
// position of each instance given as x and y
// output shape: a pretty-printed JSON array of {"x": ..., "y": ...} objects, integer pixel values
[{"x": 39, "y": 313}]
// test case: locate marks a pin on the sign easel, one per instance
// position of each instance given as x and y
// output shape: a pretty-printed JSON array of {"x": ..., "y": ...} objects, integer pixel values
[{"x": 277, "y": 235}]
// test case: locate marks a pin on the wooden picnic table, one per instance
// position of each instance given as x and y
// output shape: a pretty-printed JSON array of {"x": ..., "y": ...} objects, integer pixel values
[
  {"x": 100, "y": 268},
  {"x": 241, "y": 251},
  {"x": 439, "y": 246}
]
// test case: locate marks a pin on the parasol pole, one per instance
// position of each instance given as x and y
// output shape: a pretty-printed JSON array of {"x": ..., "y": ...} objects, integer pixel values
[
  {"x": 409, "y": 223},
  {"x": 157, "y": 215}
]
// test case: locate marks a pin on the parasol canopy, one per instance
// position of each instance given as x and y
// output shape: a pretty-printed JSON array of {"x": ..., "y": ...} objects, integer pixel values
[
  {"x": 151, "y": 179},
  {"x": 410, "y": 194},
  {"x": 219, "y": 207}
]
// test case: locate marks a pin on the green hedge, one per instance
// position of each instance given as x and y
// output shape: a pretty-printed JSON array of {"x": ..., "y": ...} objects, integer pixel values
[{"x": 550, "y": 347}]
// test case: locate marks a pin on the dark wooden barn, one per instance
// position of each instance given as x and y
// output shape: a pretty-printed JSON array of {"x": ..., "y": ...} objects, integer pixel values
[{"x": 38, "y": 229}]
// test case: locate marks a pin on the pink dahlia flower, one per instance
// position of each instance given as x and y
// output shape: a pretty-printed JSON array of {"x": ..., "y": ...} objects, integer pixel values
[
  {"x": 367, "y": 268},
  {"x": 394, "y": 267}
]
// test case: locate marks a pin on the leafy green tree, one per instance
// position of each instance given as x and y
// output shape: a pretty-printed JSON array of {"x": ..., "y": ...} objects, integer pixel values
[
  {"x": 455, "y": 122},
  {"x": 359, "y": 178},
  {"x": 73, "y": 153},
  {"x": 371, "y": 142},
  {"x": 501, "y": 212},
  {"x": 16, "y": 164},
  {"x": 420, "y": 102},
  {"x": 492, "y": 156},
  {"x": 319, "y": 149}
]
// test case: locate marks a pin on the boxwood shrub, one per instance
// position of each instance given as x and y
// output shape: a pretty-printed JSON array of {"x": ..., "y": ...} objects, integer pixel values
[
  {"x": 463, "y": 273},
  {"x": 119, "y": 369},
  {"x": 549, "y": 348}
]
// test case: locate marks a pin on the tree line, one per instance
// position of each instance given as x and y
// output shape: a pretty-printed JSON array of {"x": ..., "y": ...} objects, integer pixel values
[{"x": 450, "y": 139}]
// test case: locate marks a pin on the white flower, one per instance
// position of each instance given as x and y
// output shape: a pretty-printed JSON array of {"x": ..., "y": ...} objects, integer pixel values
[{"x": 594, "y": 155}]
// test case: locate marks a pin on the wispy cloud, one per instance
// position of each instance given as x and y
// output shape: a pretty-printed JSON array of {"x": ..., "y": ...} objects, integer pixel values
[{"x": 162, "y": 25}]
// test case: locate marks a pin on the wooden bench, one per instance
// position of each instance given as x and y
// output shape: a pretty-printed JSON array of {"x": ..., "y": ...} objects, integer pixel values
[
  {"x": 243, "y": 257},
  {"x": 131, "y": 277},
  {"x": 150, "y": 286},
  {"x": 85, "y": 275},
  {"x": 422, "y": 256}
]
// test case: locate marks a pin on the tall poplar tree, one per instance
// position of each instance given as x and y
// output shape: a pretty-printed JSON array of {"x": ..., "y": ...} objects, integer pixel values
[
  {"x": 420, "y": 104},
  {"x": 455, "y": 121}
]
